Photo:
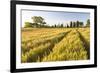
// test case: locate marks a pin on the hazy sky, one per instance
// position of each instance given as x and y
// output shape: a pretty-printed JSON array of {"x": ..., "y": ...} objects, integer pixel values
[{"x": 52, "y": 17}]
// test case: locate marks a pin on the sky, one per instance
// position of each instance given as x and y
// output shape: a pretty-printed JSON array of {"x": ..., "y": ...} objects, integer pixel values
[{"x": 55, "y": 17}]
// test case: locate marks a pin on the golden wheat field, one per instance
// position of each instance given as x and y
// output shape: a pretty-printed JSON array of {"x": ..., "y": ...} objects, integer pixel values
[{"x": 55, "y": 44}]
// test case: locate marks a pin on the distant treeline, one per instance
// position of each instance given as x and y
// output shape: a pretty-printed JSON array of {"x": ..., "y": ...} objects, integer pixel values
[{"x": 39, "y": 22}]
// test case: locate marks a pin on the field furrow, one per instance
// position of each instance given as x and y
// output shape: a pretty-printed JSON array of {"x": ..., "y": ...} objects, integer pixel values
[
  {"x": 46, "y": 44},
  {"x": 86, "y": 34},
  {"x": 41, "y": 48},
  {"x": 86, "y": 40},
  {"x": 70, "y": 48}
]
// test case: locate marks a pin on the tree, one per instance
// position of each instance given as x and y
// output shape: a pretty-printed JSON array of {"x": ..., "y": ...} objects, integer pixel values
[
  {"x": 44, "y": 23},
  {"x": 77, "y": 23},
  {"x": 55, "y": 25},
  {"x": 61, "y": 25},
  {"x": 88, "y": 23},
  {"x": 38, "y": 20},
  {"x": 58, "y": 25},
  {"x": 81, "y": 24},
  {"x": 28, "y": 24},
  {"x": 67, "y": 26},
  {"x": 74, "y": 24},
  {"x": 71, "y": 24}
]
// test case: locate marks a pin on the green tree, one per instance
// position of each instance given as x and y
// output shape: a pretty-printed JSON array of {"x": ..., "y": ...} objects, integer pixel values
[
  {"x": 77, "y": 23},
  {"x": 74, "y": 24},
  {"x": 62, "y": 25},
  {"x": 71, "y": 24},
  {"x": 38, "y": 20},
  {"x": 81, "y": 24},
  {"x": 58, "y": 25},
  {"x": 67, "y": 26},
  {"x": 88, "y": 23},
  {"x": 55, "y": 25},
  {"x": 28, "y": 24}
]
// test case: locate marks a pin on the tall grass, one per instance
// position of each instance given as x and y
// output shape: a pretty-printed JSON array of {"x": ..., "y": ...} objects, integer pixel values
[
  {"x": 35, "y": 50},
  {"x": 85, "y": 33},
  {"x": 70, "y": 48},
  {"x": 54, "y": 44}
]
